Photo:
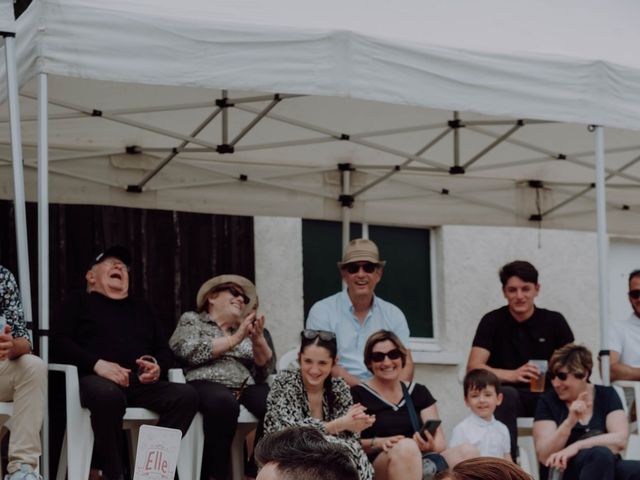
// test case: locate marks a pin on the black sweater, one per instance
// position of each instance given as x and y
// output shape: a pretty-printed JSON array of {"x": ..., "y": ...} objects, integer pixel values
[{"x": 90, "y": 327}]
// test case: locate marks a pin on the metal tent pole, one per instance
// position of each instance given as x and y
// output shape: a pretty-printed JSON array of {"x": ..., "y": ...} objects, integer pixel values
[
  {"x": 43, "y": 246},
  {"x": 18, "y": 175},
  {"x": 346, "y": 208},
  {"x": 603, "y": 245}
]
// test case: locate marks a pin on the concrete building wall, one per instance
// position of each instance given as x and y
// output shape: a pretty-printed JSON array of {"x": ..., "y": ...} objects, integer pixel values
[{"x": 467, "y": 260}]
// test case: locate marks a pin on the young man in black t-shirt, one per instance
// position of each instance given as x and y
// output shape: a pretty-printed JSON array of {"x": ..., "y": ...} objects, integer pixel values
[{"x": 509, "y": 337}]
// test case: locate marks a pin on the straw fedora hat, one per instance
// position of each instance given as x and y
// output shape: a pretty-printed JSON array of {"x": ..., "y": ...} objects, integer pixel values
[
  {"x": 361, "y": 250},
  {"x": 246, "y": 285}
]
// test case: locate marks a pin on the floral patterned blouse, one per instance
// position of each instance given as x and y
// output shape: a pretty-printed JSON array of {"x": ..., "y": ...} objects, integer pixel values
[
  {"x": 191, "y": 343},
  {"x": 287, "y": 406},
  {"x": 11, "y": 305}
]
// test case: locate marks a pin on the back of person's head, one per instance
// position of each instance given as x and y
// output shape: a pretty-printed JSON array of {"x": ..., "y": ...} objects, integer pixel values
[
  {"x": 518, "y": 268},
  {"x": 479, "y": 379},
  {"x": 577, "y": 359},
  {"x": 303, "y": 453},
  {"x": 485, "y": 468},
  {"x": 381, "y": 336}
]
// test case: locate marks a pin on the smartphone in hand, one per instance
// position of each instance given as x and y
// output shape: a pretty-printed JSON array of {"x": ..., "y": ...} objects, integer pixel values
[{"x": 430, "y": 426}]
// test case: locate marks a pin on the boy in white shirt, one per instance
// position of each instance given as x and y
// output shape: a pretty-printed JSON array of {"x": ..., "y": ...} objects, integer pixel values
[{"x": 482, "y": 396}]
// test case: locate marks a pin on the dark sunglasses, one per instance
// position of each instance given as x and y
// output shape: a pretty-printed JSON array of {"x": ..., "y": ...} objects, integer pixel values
[
  {"x": 235, "y": 292},
  {"x": 394, "y": 354},
  {"x": 564, "y": 375},
  {"x": 325, "y": 336},
  {"x": 635, "y": 294},
  {"x": 368, "y": 267}
]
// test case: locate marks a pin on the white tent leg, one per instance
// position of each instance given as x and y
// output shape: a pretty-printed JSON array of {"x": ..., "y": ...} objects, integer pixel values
[
  {"x": 18, "y": 176},
  {"x": 43, "y": 246},
  {"x": 603, "y": 245}
]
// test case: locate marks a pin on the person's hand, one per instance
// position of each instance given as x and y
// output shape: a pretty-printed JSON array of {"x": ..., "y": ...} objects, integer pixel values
[
  {"x": 150, "y": 371},
  {"x": 561, "y": 459},
  {"x": 245, "y": 328},
  {"x": 112, "y": 371},
  {"x": 387, "y": 443},
  {"x": 257, "y": 327},
  {"x": 525, "y": 373},
  {"x": 6, "y": 343},
  {"x": 356, "y": 420},
  {"x": 425, "y": 445},
  {"x": 579, "y": 407}
]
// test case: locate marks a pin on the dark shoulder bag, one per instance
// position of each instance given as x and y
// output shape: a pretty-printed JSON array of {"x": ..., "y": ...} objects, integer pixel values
[{"x": 432, "y": 462}]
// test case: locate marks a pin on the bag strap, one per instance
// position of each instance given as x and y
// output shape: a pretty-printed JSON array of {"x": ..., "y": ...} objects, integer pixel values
[{"x": 412, "y": 410}]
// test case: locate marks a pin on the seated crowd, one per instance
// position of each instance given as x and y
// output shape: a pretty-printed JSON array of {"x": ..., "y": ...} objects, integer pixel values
[{"x": 350, "y": 409}]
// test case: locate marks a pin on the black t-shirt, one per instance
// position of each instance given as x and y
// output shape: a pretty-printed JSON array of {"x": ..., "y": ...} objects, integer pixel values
[
  {"x": 513, "y": 343},
  {"x": 605, "y": 401},
  {"x": 391, "y": 419}
]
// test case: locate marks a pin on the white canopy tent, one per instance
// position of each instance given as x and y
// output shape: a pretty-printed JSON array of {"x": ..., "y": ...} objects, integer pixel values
[{"x": 414, "y": 112}]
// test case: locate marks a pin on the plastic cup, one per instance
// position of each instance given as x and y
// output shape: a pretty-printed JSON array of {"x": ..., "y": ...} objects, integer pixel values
[
  {"x": 555, "y": 474},
  {"x": 537, "y": 384}
]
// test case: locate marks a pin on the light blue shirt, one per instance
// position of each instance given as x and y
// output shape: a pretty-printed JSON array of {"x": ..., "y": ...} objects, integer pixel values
[{"x": 336, "y": 314}]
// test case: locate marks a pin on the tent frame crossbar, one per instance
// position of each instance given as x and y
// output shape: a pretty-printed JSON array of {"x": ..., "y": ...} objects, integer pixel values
[
  {"x": 589, "y": 188},
  {"x": 398, "y": 168}
]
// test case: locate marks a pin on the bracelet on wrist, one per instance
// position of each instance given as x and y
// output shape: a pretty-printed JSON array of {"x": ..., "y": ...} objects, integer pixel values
[
  {"x": 373, "y": 442},
  {"x": 228, "y": 337}
]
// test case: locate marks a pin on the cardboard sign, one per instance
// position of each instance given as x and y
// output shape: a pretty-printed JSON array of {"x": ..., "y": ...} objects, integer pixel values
[{"x": 157, "y": 453}]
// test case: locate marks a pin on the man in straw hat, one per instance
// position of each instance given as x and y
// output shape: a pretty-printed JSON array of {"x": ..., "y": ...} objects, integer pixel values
[
  {"x": 355, "y": 313},
  {"x": 121, "y": 353}
]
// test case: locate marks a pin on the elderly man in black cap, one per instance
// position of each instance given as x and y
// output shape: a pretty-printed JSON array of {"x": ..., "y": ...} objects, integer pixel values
[
  {"x": 355, "y": 313},
  {"x": 121, "y": 352}
]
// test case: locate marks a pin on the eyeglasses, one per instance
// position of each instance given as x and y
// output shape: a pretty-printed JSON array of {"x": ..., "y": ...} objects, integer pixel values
[
  {"x": 368, "y": 267},
  {"x": 116, "y": 263},
  {"x": 394, "y": 354},
  {"x": 635, "y": 294},
  {"x": 235, "y": 293},
  {"x": 564, "y": 375},
  {"x": 325, "y": 336}
]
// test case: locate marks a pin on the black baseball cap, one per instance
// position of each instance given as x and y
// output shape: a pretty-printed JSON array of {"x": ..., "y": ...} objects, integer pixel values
[{"x": 117, "y": 251}]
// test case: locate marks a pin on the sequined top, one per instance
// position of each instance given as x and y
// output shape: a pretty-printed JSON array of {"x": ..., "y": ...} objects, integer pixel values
[
  {"x": 11, "y": 305},
  {"x": 191, "y": 343}
]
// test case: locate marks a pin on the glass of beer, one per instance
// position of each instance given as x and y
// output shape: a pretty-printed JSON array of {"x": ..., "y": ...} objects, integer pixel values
[{"x": 537, "y": 384}]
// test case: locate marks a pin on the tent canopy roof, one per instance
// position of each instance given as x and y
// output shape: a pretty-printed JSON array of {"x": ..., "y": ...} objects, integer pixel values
[{"x": 373, "y": 84}]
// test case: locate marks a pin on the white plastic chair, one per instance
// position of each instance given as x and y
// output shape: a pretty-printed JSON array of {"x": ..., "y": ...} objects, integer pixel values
[
  {"x": 6, "y": 410},
  {"x": 246, "y": 423},
  {"x": 289, "y": 360},
  {"x": 528, "y": 460},
  {"x": 632, "y": 452},
  {"x": 77, "y": 445}
]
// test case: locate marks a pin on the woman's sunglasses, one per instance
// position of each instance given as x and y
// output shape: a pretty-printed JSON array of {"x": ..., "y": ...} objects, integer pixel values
[
  {"x": 394, "y": 354},
  {"x": 368, "y": 267},
  {"x": 564, "y": 375},
  {"x": 234, "y": 292},
  {"x": 323, "y": 334}
]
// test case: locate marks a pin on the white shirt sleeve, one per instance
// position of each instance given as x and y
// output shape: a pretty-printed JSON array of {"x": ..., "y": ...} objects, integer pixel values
[
  {"x": 506, "y": 440},
  {"x": 457, "y": 436},
  {"x": 616, "y": 337}
]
